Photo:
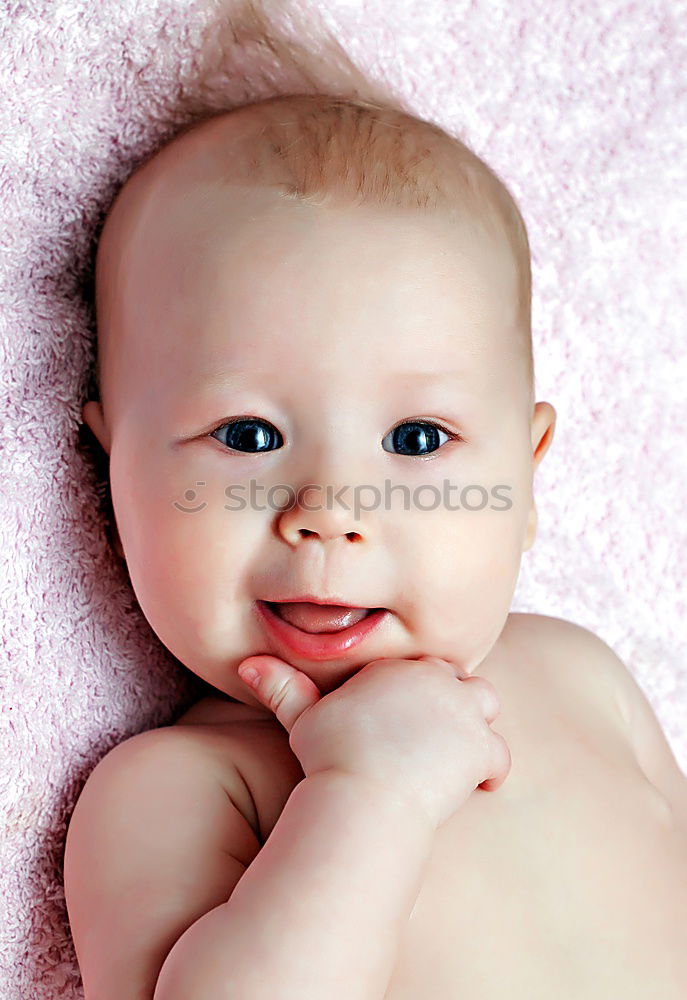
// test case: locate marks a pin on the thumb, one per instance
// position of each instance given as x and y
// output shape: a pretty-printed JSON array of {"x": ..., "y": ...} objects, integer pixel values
[
  {"x": 280, "y": 687},
  {"x": 462, "y": 673}
]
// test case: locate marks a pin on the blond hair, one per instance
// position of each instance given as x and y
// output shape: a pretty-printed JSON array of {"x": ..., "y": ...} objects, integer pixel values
[{"x": 348, "y": 141}]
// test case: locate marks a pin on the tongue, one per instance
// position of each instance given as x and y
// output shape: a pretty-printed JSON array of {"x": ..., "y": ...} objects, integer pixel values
[{"x": 319, "y": 617}]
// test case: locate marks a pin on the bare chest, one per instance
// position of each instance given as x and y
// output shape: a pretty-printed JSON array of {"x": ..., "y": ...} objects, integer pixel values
[{"x": 568, "y": 881}]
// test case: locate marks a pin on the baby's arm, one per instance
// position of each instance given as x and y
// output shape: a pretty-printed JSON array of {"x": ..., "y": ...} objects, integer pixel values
[
  {"x": 147, "y": 854},
  {"x": 320, "y": 910}
]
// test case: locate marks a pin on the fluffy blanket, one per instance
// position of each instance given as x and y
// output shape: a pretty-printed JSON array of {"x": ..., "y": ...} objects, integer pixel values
[{"x": 579, "y": 106}]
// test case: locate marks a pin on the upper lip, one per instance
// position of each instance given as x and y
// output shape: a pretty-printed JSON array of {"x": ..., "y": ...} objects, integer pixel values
[{"x": 312, "y": 599}]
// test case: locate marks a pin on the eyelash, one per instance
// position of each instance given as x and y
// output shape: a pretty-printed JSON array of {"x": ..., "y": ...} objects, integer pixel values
[{"x": 452, "y": 435}]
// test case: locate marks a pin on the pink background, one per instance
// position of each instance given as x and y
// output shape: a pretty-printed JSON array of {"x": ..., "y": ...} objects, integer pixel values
[{"x": 580, "y": 107}]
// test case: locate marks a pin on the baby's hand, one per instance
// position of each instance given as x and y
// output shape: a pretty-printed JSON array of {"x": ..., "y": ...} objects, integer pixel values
[{"x": 420, "y": 726}]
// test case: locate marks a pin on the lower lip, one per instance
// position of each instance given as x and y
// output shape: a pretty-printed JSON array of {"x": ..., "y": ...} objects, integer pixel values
[{"x": 320, "y": 645}]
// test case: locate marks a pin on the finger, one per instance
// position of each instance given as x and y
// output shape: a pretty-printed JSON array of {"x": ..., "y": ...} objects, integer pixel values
[
  {"x": 488, "y": 698},
  {"x": 502, "y": 765},
  {"x": 280, "y": 687},
  {"x": 460, "y": 672}
]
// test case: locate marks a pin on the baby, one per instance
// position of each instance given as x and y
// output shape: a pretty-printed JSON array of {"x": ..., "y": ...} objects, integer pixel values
[{"x": 317, "y": 399}]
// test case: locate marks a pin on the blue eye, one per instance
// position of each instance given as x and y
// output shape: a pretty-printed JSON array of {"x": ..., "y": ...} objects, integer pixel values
[
  {"x": 252, "y": 435},
  {"x": 416, "y": 434},
  {"x": 249, "y": 434}
]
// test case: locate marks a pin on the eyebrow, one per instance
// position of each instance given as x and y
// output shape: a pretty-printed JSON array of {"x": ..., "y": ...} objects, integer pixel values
[
  {"x": 210, "y": 377},
  {"x": 227, "y": 377}
]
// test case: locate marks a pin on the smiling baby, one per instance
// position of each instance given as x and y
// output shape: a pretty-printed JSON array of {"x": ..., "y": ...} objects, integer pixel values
[{"x": 317, "y": 398}]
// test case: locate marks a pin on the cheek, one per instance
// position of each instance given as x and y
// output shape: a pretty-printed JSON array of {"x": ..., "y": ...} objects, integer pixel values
[
  {"x": 461, "y": 570},
  {"x": 175, "y": 542},
  {"x": 193, "y": 559},
  {"x": 482, "y": 559},
  {"x": 188, "y": 587}
]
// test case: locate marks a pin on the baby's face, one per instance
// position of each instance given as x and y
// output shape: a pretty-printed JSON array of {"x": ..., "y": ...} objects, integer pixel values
[{"x": 365, "y": 346}]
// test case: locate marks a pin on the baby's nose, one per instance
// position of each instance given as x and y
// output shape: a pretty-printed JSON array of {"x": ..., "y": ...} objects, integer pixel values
[{"x": 324, "y": 514}]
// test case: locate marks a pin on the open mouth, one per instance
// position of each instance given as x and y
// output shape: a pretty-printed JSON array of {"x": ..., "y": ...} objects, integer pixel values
[
  {"x": 319, "y": 618},
  {"x": 318, "y": 631}
]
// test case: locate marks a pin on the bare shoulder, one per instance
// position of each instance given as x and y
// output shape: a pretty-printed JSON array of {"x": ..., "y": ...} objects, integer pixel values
[
  {"x": 249, "y": 750},
  {"x": 558, "y": 634},
  {"x": 573, "y": 658},
  {"x": 158, "y": 837},
  {"x": 550, "y": 628}
]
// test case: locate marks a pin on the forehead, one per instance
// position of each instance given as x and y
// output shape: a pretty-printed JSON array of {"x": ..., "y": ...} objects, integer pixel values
[{"x": 238, "y": 276}]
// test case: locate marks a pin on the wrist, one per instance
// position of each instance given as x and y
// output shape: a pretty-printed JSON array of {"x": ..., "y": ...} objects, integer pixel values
[{"x": 375, "y": 796}]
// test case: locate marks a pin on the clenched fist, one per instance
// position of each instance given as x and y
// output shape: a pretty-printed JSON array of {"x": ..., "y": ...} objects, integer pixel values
[{"x": 421, "y": 727}]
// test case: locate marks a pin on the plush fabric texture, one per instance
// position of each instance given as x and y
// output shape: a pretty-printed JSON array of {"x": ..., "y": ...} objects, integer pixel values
[{"x": 579, "y": 107}]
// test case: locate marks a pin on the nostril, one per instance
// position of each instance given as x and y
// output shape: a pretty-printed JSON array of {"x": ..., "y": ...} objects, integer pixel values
[{"x": 352, "y": 536}]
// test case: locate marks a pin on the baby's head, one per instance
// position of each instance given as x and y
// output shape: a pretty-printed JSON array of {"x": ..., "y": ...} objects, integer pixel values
[{"x": 315, "y": 375}]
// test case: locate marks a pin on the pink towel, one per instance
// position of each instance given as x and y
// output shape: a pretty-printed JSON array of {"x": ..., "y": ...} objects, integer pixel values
[{"x": 580, "y": 107}]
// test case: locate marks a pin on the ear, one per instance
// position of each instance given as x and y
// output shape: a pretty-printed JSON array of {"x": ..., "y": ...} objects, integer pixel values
[
  {"x": 543, "y": 427},
  {"x": 92, "y": 414},
  {"x": 115, "y": 540}
]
